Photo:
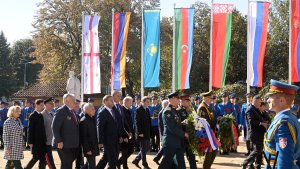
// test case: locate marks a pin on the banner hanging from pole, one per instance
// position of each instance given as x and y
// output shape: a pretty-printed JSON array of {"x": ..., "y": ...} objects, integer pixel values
[
  {"x": 295, "y": 37},
  {"x": 91, "y": 54}
]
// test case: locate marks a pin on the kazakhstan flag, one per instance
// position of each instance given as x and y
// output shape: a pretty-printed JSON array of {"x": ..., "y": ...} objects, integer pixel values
[{"x": 151, "y": 48}]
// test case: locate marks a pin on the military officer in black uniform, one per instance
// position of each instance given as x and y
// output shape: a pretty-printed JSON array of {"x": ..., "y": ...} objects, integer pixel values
[
  {"x": 173, "y": 136},
  {"x": 206, "y": 112},
  {"x": 184, "y": 113}
]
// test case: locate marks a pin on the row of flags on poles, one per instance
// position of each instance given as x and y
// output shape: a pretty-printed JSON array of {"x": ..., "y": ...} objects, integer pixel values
[{"x": 183, "y": 46}]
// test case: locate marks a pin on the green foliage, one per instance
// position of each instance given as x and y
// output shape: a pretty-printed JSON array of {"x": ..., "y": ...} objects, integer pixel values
[
  {"x": 190, "y": 128},
  {"x": 226, "y": 134},
  {"x": 239, "y": 89},
  {"x": 5, "y": 68}
]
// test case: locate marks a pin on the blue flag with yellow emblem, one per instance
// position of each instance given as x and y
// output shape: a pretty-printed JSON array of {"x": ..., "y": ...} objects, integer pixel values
[{"x": 151, "y": 48}]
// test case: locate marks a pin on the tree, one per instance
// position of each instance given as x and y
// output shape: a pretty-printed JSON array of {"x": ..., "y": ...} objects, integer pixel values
[{"x": 5, "y": 69}]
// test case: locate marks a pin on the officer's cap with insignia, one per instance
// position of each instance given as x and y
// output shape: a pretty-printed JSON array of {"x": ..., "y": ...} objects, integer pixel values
[
  {"x": 185, "y": 97},
  {"x": 281, "y": 87},
  {"x": 3, "y": 102},
  {"x": 232, "y": 96},
  {"x": 224, "y": 94},
  {"x": 174, "y": 94},
  {"x": 49, "y": 100},
  {"x": 206, "y": 94},
  {"x": 248, "y": 95},
  {"x": 214, "y": 97},
  {"x": 196, "y": 98}
]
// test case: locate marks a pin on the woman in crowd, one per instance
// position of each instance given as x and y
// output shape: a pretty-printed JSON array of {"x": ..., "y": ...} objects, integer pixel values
[{"x": 13, "y": 138}]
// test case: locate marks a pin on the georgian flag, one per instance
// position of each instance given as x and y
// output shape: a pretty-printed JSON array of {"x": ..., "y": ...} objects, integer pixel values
[{"x": 91, "y": 54}]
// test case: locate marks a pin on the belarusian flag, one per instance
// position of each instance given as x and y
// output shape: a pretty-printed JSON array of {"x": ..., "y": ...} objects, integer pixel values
[
  {"x": 221, "y": 36},
  {"x": 184, "y": 32}
]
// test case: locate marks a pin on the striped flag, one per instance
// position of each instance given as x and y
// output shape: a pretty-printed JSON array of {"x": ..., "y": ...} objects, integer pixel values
[
  {"x": 91, "y": 60},
  {"x": 295, "y": 44},
  {"x": 258, "y": 30},
  {"x": 221, "y": 36},
  {"x": 184, "y": 32},
  {"x": 118, "y": 66}
]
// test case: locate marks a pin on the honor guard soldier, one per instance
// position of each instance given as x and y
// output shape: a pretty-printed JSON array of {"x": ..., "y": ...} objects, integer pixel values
[
  {"x": 184, "y": 110},
  {"x": 226, "y": 107},
  {"x": 173, "y": 136},
  {"x": 207, "y": 113},
  {"x": 282, "y": 140}
]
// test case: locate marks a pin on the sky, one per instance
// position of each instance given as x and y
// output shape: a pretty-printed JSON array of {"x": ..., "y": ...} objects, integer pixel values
[{"x": 17, "y": 16}]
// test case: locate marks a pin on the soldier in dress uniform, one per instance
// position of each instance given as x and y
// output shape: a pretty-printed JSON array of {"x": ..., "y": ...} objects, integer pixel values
[
  {"x": 243, "y": 123},
  {"x": 3, "y": 117},
  {"x": 206, "y": 112},
  {"x": 226, "y": 107},
  {"x": 25, "y": 113},
  {"x": 283, "y": 135},
  {"x": 184, "y": 112},
  {"x": 173, "y": 136},
  {"x": 295, "y": 110},
  {"x": 196, "y": 102}
]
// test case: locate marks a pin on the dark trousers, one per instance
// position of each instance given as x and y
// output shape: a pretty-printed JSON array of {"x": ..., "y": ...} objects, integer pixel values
[
  {"x": 110, "y": 156},
  {"x": 10, "y": 164},
  {"x": 127, "y": 150},
  {"x": 67, "y": 156},
  {"x": 1, "y": 138},
  {"x": 159, "y": 154},
  {"x": 49, "y": 157},
  {"x": 144, "y": 148},
  {"x": 209, "y": 159},
  {"x": 255, "y": 155},
  {"x": 172, "y": 156},
  {"x": 190, "y": 156},
  {"x": 155, "y": 138},
  {"x": 25, "y": 130},
  {"x": 34, "y": 159},
  {"x": 79, "y": 159},
  {"x": 90, "y": 164}
]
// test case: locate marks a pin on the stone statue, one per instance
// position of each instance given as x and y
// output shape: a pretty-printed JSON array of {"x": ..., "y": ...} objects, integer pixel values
[{"x": 73, "y": 85}]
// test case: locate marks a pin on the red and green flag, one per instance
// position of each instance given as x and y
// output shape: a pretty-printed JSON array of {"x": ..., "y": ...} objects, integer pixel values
[
  {"x": 184, "y": 32},
  {"x": 221, "y": 36}
]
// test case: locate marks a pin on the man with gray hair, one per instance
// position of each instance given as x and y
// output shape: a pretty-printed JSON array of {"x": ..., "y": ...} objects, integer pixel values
[{"x": 66, "y": 132}]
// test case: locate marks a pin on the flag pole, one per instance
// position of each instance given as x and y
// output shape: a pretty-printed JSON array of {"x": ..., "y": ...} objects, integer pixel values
[
  {"x": 290, "y": 43},
  {"x": 248, "y": 49},
  {"x": 112, "y": 49},
  {"x": 82, "y": 59},
  {"x": 173, "y": 60},
  {"x": 210, "y": 54},
  {"x": 142, "y": 53}
]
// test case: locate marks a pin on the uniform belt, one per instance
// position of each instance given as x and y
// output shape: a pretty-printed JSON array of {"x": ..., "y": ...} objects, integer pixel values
[{"x": 273, "y": 161}]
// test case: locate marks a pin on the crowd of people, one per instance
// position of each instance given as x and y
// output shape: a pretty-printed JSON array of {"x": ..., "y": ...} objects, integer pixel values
[{"x": 151, "y": 123}]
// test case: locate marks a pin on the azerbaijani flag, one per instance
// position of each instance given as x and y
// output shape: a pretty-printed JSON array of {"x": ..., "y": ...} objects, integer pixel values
[
  {"x": 121, "y": 27},
  {"x": 295, "y": 45},
  {"x": 258, "y": 30},
  {"x": 91, "y": 53},
  {"x": 221, "y": 36},
  {"x": 184, "y": 32}
]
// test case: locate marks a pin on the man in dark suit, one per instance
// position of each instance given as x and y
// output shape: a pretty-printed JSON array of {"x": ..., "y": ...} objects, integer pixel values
[
  {"x": 88, "y": 136},
  {"x": 107, "y": 135},
  {"x": 257, "y": 128},
  {"x": 128, "y": 142},
  {"x": 37, "y": 136},
  {"x": 143, "y": 129},
  {"x": 66, "y": 132}
]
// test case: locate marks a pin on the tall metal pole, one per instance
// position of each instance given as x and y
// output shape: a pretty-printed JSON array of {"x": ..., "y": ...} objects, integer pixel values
[
  {"x": 173, "y": 60},
  {"x": 142, "y": 52},
  {"x": 210, "y": 58},
  {"x": 82, "y": 59},
  {"x": 248, "y": 49},
  {"x": 290, "y": 43},
  {"x": 112, "y": 48}
]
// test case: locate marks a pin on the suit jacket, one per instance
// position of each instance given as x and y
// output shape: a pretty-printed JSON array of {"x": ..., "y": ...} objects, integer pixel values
[
  {"x": 88, "y": 135},
  {"x": 254, "y": 117},
  {"x": 143, "y": 122},
  {"x": 119, "y": 115},
  {"x": 37, "y": 133},
  {"x": 128, "y": 123},
  {"x": 107, "y": 127},
  {"x": 65, "y": 129}
]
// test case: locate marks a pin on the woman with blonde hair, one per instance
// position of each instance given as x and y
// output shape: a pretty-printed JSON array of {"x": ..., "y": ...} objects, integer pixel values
[{"x": 13, "y": 138}]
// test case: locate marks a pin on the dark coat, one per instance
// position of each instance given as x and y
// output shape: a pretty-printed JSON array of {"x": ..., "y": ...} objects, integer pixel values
[
  {"x": 205, "y": 111},
  {"x": 37, "y": 134},
  {"x": 143, "y": 122},
  {"x": 119, "y": 115},
  {"x": 254, "y": 117},
  {"x": 107, "y": 127},
  {"x": 65, "y": 129},
  {"x": 128, "y": 123},
  {"x": 88, "y": 135}
]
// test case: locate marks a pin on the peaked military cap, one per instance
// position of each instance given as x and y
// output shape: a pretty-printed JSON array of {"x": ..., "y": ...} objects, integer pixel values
[
  {"x": 248, "y": 95},
  {"x": 206, "y": 94},
  {"x": 197, "y": 98},
  {"x": 281, "y": 87},
  {"x": 49, "y": 100},
  {"x": 185, "y": 97},
  {"x": 3, "y": 102},
  {"x": 174, "y": 94},
  {"x": 233, "y": 95},
  {"x": 224, "y": 94},
  {"x": 214, "y": 97}
]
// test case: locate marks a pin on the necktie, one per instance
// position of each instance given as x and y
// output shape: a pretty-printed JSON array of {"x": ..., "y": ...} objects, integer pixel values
[
  {"x": 73, "y": 116},
  {"x": 113, "y": 114}
]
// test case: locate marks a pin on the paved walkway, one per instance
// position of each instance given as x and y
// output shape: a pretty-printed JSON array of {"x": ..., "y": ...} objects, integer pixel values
[{"x": 231, "y": 161}]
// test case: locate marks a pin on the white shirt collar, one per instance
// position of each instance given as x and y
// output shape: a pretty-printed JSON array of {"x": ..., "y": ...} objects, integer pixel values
[{"x": 282, "y": 111}]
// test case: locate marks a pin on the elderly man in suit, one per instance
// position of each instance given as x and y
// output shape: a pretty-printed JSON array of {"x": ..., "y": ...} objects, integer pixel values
[
  {"x": 66, "y": 132},
  {"x": 143, "y": 129},
  {"x": 108, "y": 138},
  {"x": 37, "y": 136}
]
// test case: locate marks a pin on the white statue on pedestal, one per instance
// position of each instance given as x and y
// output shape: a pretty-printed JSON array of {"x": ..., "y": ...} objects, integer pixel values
[{"x": 73, "y": 85}]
